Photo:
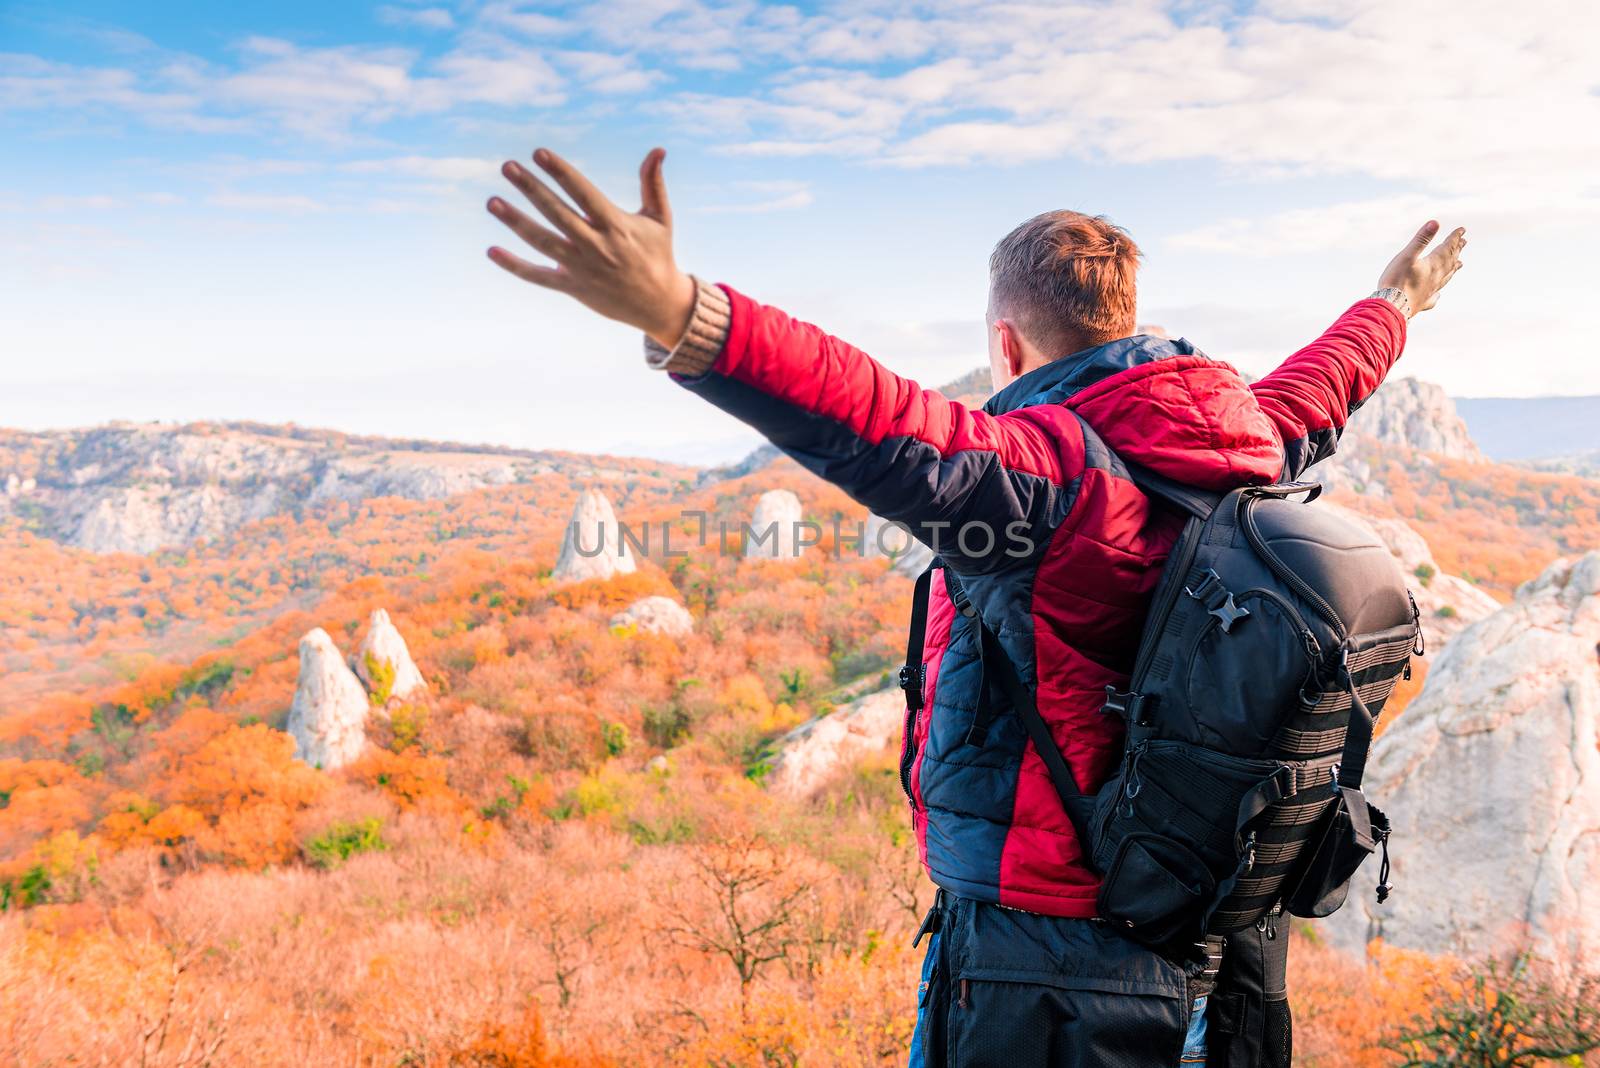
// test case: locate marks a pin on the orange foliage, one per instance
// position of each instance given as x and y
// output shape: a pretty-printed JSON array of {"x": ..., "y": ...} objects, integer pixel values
[
  {"x": 528, "y": 866},
  {"x": 1493, "y": 524},
  {"x": 409, "y": 777},
  {"x": 237, "y": 796},
  {"x": 1344, "y": 1007}
]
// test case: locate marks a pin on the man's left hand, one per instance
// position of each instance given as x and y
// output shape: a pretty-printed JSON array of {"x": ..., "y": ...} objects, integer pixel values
[{"x": 616, "y": 263}]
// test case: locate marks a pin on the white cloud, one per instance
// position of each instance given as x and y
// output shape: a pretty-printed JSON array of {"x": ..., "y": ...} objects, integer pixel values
[
  {"x": 91, "y": 202},
  {"x": 525, "y": 22},
  {"x": 287, "y": 204},
  {"x": 605, "y": 72},
  {"x": 759, "y": 198},
  {"x": 319, "y": 93},
  {"x": 1434, "y": 94},
  {"x": 427, "y": 18},
  {"x": 434, "y": 168}
]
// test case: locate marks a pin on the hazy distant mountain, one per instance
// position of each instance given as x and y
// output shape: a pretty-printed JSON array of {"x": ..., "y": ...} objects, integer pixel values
[
  {"x": 137, "y": 487},
  {"x": 1533, "y": 428}
]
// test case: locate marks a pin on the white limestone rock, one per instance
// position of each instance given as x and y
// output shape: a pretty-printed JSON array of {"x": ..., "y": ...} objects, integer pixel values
[
  {"x": 328, "y": 719},
  {"x": 809, "y": 755},
  {"x": 892, "y": 541},
  {"x": 1406, "y": 419},
  {"x": 1448, "y": 603},
  {"x": 1417, "y": 415},
  {"x": 1492, "y": 780},
  {"x": 656, "y": 615},
  {"x": 593, "y": 547},
  {"x": 384, "y": 645},
  {"x": 883, "y": 539},
  {"x": 775, "y": 527}
]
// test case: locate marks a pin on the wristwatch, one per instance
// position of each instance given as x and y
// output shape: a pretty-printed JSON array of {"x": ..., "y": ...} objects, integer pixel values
[{"x": 1396, "y": 296}]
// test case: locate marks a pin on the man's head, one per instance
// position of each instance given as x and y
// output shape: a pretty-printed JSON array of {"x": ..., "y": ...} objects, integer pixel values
[{"x": 1059, "y": 283}]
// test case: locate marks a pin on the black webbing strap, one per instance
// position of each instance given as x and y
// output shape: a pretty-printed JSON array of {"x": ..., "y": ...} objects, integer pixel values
[
  {"x": 1197, "y": 502},
  {"x": 1358, "y": 735},
  {"x": 990, "y": 652},
  {"x": 911, "y": 674},
  {"x": 1072, "y": 797}
]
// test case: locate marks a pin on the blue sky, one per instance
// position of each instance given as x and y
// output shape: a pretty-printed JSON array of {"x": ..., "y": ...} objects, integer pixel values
[{"x": 274, "y": 211}]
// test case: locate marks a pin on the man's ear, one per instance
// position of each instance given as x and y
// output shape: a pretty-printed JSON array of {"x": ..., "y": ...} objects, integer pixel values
[{"x": 1010, "y": 346}]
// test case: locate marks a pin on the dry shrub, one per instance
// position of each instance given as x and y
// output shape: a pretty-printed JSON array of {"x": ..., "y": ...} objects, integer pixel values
[{"x": 1345, "y": 1007}]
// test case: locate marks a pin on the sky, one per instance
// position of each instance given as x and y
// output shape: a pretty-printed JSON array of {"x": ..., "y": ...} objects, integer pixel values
[{"x": 274, "y": 211}]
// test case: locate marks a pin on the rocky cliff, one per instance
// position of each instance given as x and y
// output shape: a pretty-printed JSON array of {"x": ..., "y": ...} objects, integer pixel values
[
  {"x": 140, "y": 487},
  {"x": 328, "y": 718},
  {"x": 1492, "y": 779},
  {"x": 1406, "y": 419},
  {"x": 1416, "y": 415}
]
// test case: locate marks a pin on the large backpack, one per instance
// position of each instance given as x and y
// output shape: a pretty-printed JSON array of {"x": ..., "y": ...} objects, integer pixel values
[{"x": 1276, "y": 633}]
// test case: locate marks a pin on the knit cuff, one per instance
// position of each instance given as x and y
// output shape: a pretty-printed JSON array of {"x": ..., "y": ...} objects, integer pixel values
[{"x": 697, "y": 351}]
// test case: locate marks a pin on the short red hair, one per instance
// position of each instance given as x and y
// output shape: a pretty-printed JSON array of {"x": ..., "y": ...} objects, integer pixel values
[{"x": 1067, "y": 280}]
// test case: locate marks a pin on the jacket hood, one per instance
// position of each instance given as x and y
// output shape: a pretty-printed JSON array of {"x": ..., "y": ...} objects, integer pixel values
[{"x": 1161, "y": 403}]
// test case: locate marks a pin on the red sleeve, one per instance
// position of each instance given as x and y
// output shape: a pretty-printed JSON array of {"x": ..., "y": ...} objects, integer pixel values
[
  {"x": 1312, "y": 393},
  {"x": 910, "y": 454}
]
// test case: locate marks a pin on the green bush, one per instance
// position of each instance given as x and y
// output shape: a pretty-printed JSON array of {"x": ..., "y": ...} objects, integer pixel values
[
  {"x": 341, "y": 841},
  {"x": 1425, "y": 572},
  {"x": 666, "y": 725},
  {"x": 406, "y": 725},
  {"x": 25, "y": 890},
  {"x": 381, "y": 672},
  {"x": 1508, "y": 1014},
  {"x": 1446, "y": 611}
]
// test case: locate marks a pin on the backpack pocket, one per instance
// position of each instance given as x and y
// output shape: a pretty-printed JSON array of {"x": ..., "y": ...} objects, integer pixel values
[
  {"x": 1238, "y": 678},
  {"x": 1170, "y": 836},
  {"x": 1350, "y": 833},
  {"x": 1156, "y": 891}
]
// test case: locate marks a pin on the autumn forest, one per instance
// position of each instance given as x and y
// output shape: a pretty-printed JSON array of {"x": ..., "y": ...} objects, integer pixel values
[{"x": 564, "y": 848}]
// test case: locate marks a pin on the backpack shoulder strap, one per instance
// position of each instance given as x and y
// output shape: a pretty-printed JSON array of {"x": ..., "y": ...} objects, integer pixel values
[
  {"x": 1073, "y": 799},
  {"x": 1197, "y": 502},
  {"x": 912, "y": 672}
]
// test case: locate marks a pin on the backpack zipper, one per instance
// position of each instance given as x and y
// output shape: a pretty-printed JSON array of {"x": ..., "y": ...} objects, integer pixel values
[
  {"x": 1308, "y": 640},
  {"x": 1421, "y": 647},
  {"x": 1176, "y": 572}
]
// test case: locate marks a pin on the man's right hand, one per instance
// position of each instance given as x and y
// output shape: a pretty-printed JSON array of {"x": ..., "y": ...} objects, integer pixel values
[{"x": 1421, "y": 277}]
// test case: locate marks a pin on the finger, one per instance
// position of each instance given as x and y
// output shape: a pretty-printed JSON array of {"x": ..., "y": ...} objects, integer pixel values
[
  {"x": 551, "y": 206},
  {"x": 600, "y": 210},
  {"x": 548, "y": 242},
  {"x": 1422, "y": 239},
  {"x": 1450, "y": 248},
  {"x": 548, "y": 277},
  {"x": 653, "y": 187}
]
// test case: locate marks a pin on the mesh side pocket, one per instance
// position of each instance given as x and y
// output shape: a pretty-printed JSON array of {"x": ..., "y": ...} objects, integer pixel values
[{"x": 1277, "y": 1045}]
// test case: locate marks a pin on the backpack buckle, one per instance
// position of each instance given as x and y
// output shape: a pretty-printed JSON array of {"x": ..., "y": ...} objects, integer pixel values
[
  {"x": 1129, "y": 706},
  {"x": 911, "y": 681},
  {"x": 959, "y": 599},
  {"x": 1218, "y": 600}
]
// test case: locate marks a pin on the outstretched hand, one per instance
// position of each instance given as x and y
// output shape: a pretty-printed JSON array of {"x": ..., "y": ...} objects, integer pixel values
[
  {"x": 617, "y": 263},
  {"x": 1421, "y": 277}
]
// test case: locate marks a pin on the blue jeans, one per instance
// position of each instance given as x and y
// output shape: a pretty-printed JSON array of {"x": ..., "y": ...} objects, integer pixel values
[{"x": 929, "y": 998}]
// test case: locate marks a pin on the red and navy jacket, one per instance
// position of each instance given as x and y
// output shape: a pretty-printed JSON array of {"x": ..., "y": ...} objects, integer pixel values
[{"x": 1067, "y": 578}]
